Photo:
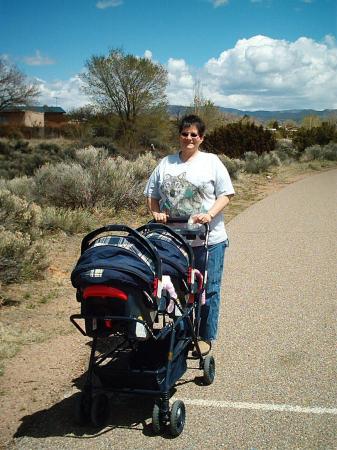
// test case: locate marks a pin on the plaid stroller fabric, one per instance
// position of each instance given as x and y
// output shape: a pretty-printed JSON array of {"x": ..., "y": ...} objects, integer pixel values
[{"x": 115, "y": 258}]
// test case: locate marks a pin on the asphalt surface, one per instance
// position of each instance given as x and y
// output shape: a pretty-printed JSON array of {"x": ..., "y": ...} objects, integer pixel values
[{"x": 275, "y": 385}]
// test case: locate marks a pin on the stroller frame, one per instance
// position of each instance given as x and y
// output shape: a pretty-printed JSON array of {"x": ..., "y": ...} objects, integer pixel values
[{"x": 170, "y": 344}]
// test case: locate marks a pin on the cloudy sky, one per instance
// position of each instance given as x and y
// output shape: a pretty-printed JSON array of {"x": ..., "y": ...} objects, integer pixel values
[{"x": 245, "y": 54}]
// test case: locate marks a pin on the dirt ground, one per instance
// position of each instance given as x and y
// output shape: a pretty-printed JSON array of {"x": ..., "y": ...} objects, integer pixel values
[{"x": 48, "y": 367}]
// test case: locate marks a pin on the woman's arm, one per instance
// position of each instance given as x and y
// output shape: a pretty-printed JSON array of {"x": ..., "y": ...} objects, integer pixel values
[
  {"x": 218, "y": 206},
  {"x": 154, "y": 208}
]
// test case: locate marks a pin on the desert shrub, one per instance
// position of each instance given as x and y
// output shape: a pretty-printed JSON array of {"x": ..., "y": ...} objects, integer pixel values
[
  {"x": 90, "y": 156},
  {"x": 21, "y": 186},
  {"x": 68, "y": 220},
  {"x": 330, "y": 151},
  {"x": 235, "y": 139},
  {"x": 18, "y": 158},
  {"x": 319, "y": 152},
  {"x": 260, "y": 163},
  {"x": 11, "y": 132},
  {"x": 285, "y": 150},
  {"x": 16, "y": 214},
  {"x": 20, "y": 257},
  {"x": 312, "y": 152},
  {"x": 104, "y": 142},
  {"x": 322, "y": 135},
  {"x": 143, "y": 166},
  {"x": 118, "y": 184},
  {"x": 63, "y": 185},
  {"x": 94, "y": 180},
  {"x": 233, "y": 165}
]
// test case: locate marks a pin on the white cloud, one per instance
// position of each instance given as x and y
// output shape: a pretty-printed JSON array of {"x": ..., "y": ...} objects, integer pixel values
[
  {"x": 262, "y": 72},
  {"x": 181, "y": 82},
  {"x": 64, "y": 93},
  {"x": 103, "y": 4},
  {"x": 257, "y": 73},
  {"x": 217, "y": 3},
  {"x": 148, "y": 54},
  {"x": 38, "y": 60}
]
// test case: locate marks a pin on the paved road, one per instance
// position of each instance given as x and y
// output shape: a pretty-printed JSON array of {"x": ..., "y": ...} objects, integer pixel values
[{"x": 276, "y": 355}]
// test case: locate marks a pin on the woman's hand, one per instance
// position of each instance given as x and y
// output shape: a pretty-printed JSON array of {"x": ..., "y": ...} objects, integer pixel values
[
  {"x": 202, "y": 218},
  {"x": 160, "y": 217}
]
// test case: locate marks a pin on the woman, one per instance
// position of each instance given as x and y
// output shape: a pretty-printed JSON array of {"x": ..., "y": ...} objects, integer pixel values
[{"x": 195, "y": 183}]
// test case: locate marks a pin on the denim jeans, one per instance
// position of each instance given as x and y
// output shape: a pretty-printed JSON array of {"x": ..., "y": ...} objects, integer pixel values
[{"x": 210, "y": 310}]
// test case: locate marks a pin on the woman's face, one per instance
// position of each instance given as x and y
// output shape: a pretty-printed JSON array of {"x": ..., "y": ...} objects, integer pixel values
[{"x": 190, "y": 139}]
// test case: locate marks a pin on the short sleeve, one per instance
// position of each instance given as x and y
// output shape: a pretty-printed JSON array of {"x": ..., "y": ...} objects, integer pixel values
[
  {"x": 152, "y": 186},
  {"x": 223, "y": 184}
]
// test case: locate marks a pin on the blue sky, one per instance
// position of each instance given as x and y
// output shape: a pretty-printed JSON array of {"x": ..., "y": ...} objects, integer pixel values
[{"x": 246, "y": 54}]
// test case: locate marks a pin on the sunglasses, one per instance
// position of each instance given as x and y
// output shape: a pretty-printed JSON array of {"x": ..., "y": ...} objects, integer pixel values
[{"x": 186, "y": 134}]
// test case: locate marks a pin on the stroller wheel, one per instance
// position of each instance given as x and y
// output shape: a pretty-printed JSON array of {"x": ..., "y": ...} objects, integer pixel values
[
  {"x": 99, "y": 410},
  {"x": 177, "y": 418},
  {"x": 209, "y": 370},
  {"x": 157, "y": 424},
  {"x": 82, "y": 408}
]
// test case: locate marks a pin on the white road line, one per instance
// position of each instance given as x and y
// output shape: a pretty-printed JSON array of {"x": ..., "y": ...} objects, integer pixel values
[{"x": 259, "y": 406}]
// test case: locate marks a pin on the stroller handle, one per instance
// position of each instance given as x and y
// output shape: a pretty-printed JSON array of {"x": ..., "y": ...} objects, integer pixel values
[
  {"x": 185, "y": 219},
  {"x": 111, "y": 227}
]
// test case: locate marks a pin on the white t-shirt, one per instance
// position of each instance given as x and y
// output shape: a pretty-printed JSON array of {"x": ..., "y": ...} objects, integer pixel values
[{"x": 191, "y": 187}]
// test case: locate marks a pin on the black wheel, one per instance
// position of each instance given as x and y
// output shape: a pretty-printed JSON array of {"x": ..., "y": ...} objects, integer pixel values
[
  {"x": 209, "y": 370},
  {"x": 156, "y": 419},
  {"x": 99, "y": 410},
  {"x": 82, "y": 408},
  {"x": 177, "y": 418}
]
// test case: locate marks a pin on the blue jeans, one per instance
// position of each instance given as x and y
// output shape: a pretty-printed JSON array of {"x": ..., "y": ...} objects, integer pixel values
[{"x": 210, "y": 310}]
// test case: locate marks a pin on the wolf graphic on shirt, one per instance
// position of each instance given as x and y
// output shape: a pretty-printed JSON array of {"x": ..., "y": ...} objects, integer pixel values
[{"x": 181, "y": 196}]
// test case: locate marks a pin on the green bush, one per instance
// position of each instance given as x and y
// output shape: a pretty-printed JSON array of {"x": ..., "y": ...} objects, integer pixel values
[
  {"x": 20, "y": 257},
  {"x": 318, "y": 152},
  {"x": 235, "y": 139},
  {"x": 234, "y": 166},
  {"x": 18, "y": 158},
  {"x": 94, "y": 180},
  {"x": 285, "y": 150},
  {"x": 63, "y": 185},
  {"x": 21, "y": 186},
  {"x": 260, "y": 163},
  {"x": 16, "y": 214},
  {"x": 322, "y": 135},
  {"x": 143, "y": 166},
  {"x": 70, "y": 221}
]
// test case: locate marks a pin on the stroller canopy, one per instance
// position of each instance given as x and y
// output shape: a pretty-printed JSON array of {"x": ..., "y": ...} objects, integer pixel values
[
  {"x": 111, "y": 259},
  {"x": 175, "y": 259}
]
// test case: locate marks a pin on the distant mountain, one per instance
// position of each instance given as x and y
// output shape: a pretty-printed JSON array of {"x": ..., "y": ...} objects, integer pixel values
[{"x": 289, "y": 114}]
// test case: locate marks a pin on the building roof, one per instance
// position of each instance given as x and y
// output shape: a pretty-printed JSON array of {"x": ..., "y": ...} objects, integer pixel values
[{"x": 41, "y": 109}]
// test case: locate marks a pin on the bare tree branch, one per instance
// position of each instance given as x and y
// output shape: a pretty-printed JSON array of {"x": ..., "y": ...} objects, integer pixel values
[{"x": 14, "y": 87}]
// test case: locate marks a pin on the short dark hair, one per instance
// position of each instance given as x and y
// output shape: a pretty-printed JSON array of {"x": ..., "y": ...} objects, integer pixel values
[{"x": 192, "y": 119}]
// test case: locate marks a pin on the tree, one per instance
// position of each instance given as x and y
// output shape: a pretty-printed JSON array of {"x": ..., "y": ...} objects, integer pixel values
[
  {"x": 235, "y": 139},
  {"x": 125, "y": 85},
  {"x": 321, "y": 135},
  {"x": 15, "y": 89},
  {"x": 206, "y": 109},
  {"x": 310, "y": 122}
]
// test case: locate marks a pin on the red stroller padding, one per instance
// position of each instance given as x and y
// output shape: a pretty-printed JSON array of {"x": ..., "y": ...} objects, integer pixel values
[{"x": 101, "y": 290}]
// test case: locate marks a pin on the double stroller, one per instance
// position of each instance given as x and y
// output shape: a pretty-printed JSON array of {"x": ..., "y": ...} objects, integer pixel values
[{"x": 140, "y": 297}]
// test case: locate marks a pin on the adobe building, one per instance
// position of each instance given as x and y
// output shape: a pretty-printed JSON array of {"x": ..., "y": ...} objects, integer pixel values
[{"x": 32, "y": 116}]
